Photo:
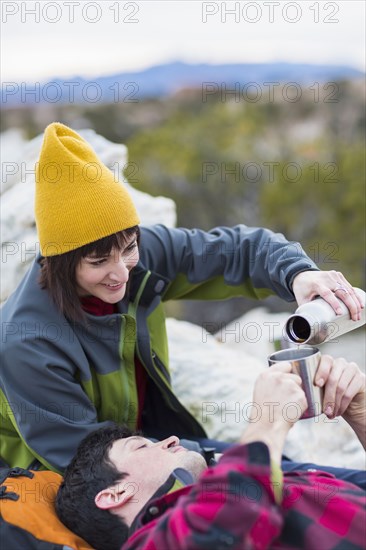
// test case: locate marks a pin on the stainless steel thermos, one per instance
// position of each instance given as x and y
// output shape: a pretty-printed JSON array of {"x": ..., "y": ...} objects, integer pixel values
[{"x": 316, "y": 322}]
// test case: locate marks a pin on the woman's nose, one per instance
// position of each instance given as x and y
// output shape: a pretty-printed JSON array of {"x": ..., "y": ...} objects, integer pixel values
[{"x": 119, "y": 271}]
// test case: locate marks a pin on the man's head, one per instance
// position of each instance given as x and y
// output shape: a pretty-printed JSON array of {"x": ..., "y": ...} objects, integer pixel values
[{"x": 112, "y": 476}]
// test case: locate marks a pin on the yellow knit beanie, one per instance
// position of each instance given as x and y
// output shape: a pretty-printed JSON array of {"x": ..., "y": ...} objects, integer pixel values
[{"x": 78, "y": 199}]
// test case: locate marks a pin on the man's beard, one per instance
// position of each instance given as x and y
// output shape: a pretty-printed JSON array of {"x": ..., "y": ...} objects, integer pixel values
[{"x": 194, "y": 463}]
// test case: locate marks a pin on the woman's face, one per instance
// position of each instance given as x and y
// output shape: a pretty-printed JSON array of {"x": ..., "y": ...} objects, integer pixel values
[{"x": 106, "y": 277}]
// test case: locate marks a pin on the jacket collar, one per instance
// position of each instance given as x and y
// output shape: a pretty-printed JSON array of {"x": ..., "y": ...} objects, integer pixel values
[
  {"x": 179, "y": 481},
  {"x": 155, "y": 284}
]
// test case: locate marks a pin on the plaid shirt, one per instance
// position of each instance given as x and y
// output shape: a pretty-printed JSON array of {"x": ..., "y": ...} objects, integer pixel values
[{"x": 233, "y": 506}]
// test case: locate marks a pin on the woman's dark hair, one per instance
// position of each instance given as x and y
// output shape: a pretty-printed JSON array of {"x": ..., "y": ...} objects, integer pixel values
[
  {"x": 58, "y": 273},
  {"x": 89, "y": 472}
]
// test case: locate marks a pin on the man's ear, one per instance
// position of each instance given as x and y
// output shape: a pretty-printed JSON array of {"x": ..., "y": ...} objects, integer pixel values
[{"x": 112, "y": 497}]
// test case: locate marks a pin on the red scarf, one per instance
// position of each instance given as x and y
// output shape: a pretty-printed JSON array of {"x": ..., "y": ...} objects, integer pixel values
[{"x": 96, "y": 306}]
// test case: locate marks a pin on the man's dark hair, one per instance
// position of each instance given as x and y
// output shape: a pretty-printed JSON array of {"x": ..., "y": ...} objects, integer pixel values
[
  {"x": 58, "y": 273},
  {"x": 89, "y": 472}
]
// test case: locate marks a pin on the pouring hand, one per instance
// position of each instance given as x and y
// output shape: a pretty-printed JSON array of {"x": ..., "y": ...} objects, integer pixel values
[{"x": 330, "y": 285}]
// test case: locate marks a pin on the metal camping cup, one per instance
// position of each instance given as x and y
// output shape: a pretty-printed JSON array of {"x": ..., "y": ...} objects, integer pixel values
[{"x": 304, "y": 361}]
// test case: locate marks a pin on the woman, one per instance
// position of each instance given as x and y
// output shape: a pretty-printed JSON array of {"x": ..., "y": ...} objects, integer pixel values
[{"x": 84, "y": 339}]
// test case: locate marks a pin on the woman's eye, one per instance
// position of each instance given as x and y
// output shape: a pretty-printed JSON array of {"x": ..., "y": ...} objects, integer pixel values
[
  {"x": 131, "y": 246},
  {"x": 98, "y": 262}
]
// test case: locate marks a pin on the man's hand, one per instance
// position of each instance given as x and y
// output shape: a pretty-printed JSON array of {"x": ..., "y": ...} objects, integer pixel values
[
  {"x": 344, "y": 386},
  {"x": 329, "y": 285},
  {"x": 344, "y": 392},
  {"x": 279, "y": 403},
  {"x": 280, "y": 387}
]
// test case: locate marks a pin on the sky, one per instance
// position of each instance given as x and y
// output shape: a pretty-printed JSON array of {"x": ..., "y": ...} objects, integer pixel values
[{"x": 44, "y": 40}]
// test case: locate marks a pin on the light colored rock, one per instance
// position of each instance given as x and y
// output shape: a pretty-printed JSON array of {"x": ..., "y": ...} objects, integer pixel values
[
  {"x": 327, "y": 442},
  {"x": 213, "y": 381},
  {"x": 18, "y": 231},
  {"x": 254, "y": 333},
  {"x": 352, "y": 346},
  {"x": 12, "y": 143}
]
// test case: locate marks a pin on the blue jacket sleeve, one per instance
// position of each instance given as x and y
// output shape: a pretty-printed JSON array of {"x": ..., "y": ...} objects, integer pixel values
[{"x": 223, "y": 262}]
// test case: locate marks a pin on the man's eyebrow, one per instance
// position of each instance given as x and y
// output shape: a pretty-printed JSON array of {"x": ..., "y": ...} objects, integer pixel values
[{"x": 133, "y": 438}]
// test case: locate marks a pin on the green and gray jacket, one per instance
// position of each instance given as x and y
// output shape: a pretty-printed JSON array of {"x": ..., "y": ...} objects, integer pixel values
[{"x": 61, "y": 380}]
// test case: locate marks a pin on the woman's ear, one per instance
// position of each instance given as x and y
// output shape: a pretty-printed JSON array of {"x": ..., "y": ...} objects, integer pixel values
[{"x": 112, "y": 497}]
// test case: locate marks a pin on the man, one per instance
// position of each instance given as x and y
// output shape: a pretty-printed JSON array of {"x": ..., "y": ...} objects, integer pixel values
[{"x": 123, "y": 488}]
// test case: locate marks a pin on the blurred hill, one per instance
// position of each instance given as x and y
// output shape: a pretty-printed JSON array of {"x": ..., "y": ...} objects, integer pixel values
[{"x": 163, "y": 80}]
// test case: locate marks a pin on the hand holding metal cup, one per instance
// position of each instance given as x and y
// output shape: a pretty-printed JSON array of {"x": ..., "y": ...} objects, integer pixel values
[{"x": 304, "y": 361}]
